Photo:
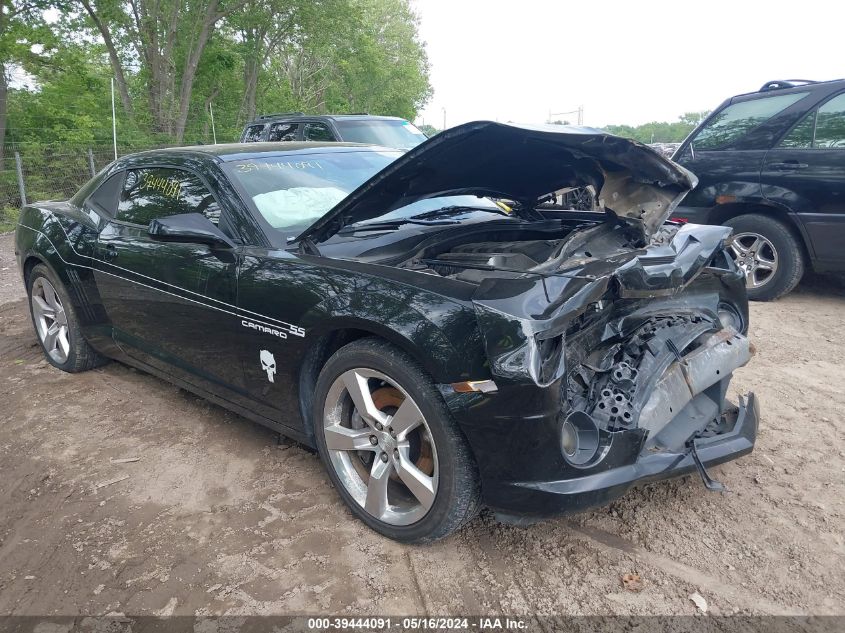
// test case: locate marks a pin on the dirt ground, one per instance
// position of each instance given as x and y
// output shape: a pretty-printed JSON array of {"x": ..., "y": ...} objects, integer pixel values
[{"x": 217, "y": 518}]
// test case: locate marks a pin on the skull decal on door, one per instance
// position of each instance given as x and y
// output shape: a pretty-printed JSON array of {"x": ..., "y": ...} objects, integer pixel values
[{"x": 268, "y": 364}]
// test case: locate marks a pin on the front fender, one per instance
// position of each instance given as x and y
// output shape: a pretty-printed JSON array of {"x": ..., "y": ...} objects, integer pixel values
[
  {"x": 709, "y": 194},
  {"x": 441, "y": 334}
]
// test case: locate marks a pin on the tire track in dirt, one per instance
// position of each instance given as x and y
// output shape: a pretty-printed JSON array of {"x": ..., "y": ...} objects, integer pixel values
[{"x": 685, "y": 573}]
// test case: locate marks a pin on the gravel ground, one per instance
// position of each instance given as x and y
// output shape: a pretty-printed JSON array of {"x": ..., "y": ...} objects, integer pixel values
[{"x": 215, "y": 517}]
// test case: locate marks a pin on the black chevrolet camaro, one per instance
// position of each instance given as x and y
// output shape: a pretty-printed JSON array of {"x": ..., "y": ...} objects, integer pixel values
[{"x": 433, "y": 323}]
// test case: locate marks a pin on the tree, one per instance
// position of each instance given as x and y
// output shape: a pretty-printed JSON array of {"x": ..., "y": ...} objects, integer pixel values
[
  {"x": 694, "y": 118},
  {"x": 428, "y": 130},
  {"x": 382, "y": 68},
  {"x": 171, "y": 60},
  {"x": 168, "y": 38},
  {"x": 111, "y": 13},
  {"x": 660, "y": 132},
  {"x": 21, "y": 23}
]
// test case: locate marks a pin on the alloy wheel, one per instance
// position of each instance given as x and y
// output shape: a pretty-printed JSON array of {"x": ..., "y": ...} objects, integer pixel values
[
  {"x": 380, "y": 446},
  {"x": 50, "y": 320},
  {"x": 756, "y": 257}
]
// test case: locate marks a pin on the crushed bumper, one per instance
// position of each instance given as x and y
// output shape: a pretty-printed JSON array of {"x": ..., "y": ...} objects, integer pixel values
[{"x": 519, "y": 501}]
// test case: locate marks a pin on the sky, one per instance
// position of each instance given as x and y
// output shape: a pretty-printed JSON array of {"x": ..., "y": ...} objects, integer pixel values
[{"x": 624, "y": 62}]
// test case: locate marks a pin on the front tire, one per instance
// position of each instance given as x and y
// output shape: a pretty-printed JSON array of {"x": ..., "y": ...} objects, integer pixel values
[
  {"x": 56, "y": 323},
  {"x": 390, "y": 446},
  {"x": 769, "y": 254}
]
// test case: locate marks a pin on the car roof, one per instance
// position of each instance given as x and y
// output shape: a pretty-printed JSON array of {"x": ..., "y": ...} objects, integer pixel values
[
  {"x": 298, "y": 116},
  {"x": 789, "y": 86},
  {"x": 239, "y": 151}
]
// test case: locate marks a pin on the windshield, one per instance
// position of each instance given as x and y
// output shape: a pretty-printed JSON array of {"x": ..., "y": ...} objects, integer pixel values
[
  {"x": 387, "y": 133},
  {"x": 292, "y": 191},
  {"x": 735, "y": 121}
]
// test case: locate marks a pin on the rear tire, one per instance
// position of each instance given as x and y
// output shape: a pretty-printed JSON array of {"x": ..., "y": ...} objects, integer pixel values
[
  {"x": 403, "y": 468},
  {"x": 56, "y": 324},
  {"x": 769, "y": 253}
]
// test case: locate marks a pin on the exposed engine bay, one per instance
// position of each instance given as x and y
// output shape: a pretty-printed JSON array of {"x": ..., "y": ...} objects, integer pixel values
[{"x": 473, "y": 259}]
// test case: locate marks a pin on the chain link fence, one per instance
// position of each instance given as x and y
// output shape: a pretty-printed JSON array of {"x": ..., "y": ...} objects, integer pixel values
[{"x": 28, "y": 174}]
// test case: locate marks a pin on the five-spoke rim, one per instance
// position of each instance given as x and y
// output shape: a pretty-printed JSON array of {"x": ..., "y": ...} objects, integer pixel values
[
  {"x": 756, "y": 257},
  {"x": 380, "y": 446},
  {"x": 50, "y": 320}
]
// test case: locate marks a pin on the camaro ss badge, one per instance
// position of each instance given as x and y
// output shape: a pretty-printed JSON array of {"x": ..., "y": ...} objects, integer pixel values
[
  {"x": 281, "y": 331},
  {"x": 268, "y": 364}
]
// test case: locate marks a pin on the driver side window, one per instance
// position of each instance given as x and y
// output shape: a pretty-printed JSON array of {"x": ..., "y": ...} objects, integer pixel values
[{"x": 149, "y": 194}]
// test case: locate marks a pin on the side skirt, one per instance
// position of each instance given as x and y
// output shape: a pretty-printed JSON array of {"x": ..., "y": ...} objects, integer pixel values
[{"x": 287, "y": 431}]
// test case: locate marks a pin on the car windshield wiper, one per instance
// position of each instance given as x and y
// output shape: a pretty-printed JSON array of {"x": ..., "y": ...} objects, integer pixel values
[
  {"x": 457, "y": 210},
  {"x": 426, "y": 219},
  {"x": 390, "y": 225}
]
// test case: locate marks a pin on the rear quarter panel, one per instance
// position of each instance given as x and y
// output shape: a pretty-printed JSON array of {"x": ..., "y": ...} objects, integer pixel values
[{"x": 61, "y": 237}]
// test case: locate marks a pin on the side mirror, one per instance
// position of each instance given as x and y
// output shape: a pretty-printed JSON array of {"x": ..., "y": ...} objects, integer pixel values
[{"x": 189, "y": 227}]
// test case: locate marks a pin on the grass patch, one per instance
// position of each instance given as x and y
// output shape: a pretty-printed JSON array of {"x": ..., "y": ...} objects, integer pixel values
[{"x": 8, "y": 219}]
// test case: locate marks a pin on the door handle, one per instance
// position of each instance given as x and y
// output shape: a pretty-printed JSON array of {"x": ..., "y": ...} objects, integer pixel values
[
  {"x": 109, "y": 252},
  {"x": 788, "y": 165}
]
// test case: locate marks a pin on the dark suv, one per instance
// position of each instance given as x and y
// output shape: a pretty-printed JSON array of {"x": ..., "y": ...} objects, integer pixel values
[
  {"x": 771, "y": 164},
  {"x": 388, "y": 131}
]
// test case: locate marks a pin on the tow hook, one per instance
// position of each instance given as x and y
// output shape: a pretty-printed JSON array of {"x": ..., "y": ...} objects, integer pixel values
[{"x": 709, "y": 483}]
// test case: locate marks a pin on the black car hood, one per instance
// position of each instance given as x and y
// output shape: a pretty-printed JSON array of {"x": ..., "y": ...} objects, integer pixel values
[{"x": 521, "y": 163}]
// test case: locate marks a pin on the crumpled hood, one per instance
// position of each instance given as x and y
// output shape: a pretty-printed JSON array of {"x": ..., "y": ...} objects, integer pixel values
[{"x": 520, "y": 163}]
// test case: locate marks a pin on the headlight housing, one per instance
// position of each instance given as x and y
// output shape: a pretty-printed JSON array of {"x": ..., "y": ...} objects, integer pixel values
[{"x": 548, "y": 361}]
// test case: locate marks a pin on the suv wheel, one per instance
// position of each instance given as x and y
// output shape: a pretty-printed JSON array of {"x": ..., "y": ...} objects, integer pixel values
[
  {"x": 769, "y": 254},
  {"x": 56, "y": 324},
  {"x": 390, "y": 446}
]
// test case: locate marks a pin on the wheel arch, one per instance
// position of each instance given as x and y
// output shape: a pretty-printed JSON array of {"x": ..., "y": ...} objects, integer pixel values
[
  {"x": 33, "y": 259},
  {"x": 328, "y": 342},
  {"x": 724, "y": 212},
  {"x": 30, "y": 262}
]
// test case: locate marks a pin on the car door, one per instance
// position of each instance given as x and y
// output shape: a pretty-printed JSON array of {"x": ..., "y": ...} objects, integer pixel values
[
  {"x": 727, "y": 151},
  {"x": 805, "y": 172},
  {"x": 170, "y": 304}
]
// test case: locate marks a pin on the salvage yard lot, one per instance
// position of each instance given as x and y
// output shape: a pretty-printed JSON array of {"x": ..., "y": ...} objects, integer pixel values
[{"x": 216, "y": 517}]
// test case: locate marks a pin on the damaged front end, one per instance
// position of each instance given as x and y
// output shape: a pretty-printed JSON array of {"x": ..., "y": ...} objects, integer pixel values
[
  {"x": 633, "y": 355},
  {"x": 668, "y": 379},
  {"x": 611, "y": 337}
]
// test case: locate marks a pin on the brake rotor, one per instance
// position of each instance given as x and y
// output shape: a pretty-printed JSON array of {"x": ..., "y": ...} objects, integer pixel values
[{"x": 388, "y": 400}]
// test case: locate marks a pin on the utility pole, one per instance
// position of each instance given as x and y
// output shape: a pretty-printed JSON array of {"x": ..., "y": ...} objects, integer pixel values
[
  {"x": 113, "y": 120},
  {"x": 213, "y": 131},
  {"x": 444, "y": 117}
]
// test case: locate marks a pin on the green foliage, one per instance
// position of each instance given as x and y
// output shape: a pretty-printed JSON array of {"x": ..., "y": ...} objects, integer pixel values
[
  {"x": 428, "y": 130},
  {"x": 309, "y": 55},
  {"x": 173, "y": 62},
  {"x": 660, "y": 132},
  {"x": 8, "y": 219}
]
